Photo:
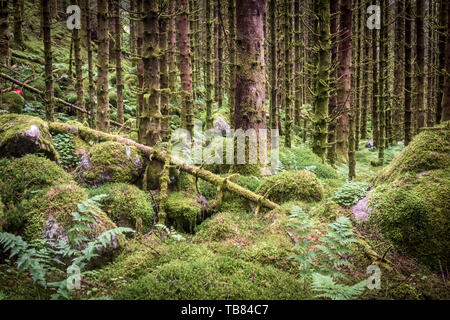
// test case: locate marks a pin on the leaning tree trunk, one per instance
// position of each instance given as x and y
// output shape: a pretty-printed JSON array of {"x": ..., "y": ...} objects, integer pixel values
[
  {"x": 49, "y": 94},
  {"x": 118, "y": 57},
  {"x": 79, "y": 72},
  {"x": 102, "y": 66},
  {"x": 408, "y": 49},
  {"x": 344, "y": 74},
  {"x": 4, "y": 33},
  {"x": 420, "y": 61},
  {"x": 150, "y": 118},
  {"x": 250, "y": 111},
  {"x": 185, "y": 65},
  {"x": 322, "y": 78}
]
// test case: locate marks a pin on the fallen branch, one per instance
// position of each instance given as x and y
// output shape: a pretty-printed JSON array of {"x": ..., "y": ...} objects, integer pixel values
[{"x": 89, "y": 134}]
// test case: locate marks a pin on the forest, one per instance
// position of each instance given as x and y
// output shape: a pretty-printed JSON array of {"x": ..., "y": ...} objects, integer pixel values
[{"x": 224, "y": 150}]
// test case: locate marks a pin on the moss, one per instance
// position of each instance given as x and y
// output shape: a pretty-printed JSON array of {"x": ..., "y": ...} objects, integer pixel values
[
  {"x": 50, "y": 216},
  {"x": 219, "y": 227},
  {"x": 24, "y": 176},
  {"x": 213, "y": 276},
  {"x": 21, "y": 134},
  {"x": 2, "y": 215},
  {"x": 12, "y": 102},
  {"x": 413, "y": 214},
  {"x": 110, "y": 162},
  {"x": 290, "y": 185},
  {"x": 329, "y": 210},
  {"x": 183, "y": 211},
  {"x": 429, "y": 150},
  {"x": 126, "y": 204},
  {"x": 331, "y": 185}
]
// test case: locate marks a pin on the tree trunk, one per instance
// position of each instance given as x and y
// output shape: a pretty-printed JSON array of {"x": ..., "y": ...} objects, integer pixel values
[
  {"x": 18, "y": 6},
  {"x": 398, "y": 70},
  {"x": 322, "y": 78},
  {"x": 408, "y": 49},
  {"x": 420, "y": 61},
  {"x": 232, "y": 57},
  {"x": 185, "y": 65},
  {"x": 287, "y": 75},
  {"x": 382, "y": 81},
  {"x": 219, "y": 65},
  {"x": 446, "y": 90},
  {"x": 79, "y": 72},
  {"x": 102, "y": 63},
  {"x": 366, "y": 79},
  {"x": 331, "y": 150},
  {"x": 273, "y": 65},
  {"x": 172, "y": 53},
  {"x": 375, "y": 91},
  {"x": 4, "y": 33},
  {"x": 164, "y": 77},
  {"x": 132, "y": 29},
  {"x": 443, "y": 39},
  {"x": 49, "y": 94},
  {"x": 193, "y": 31},
  {"x": 91, "y": 104},
  {"x": 209, "y": 63},
  {"x": 118, "y": 57}
]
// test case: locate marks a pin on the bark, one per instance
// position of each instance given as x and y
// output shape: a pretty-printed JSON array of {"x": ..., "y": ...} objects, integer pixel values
[
  {"x": 132, "y": 28},
  {"x": 398, "y": 70},
  {"x": 91, "y": 104},
  {"x": 297, "y": 64},
  {"x": 273, "y": 65},
  {"x": 443, "y": 39},
  {"x": 232, "y": 57},
  {"x": 140, "y": 64},
  {"x": 375, "y": 91},
  {"x": 160, "y": 156},
  {"x": 150, "y": 118},
  {"x": 218, "y": 78},
  {"x": 287, "y": 76},
  {"x": 18, "y": 6},
  {"x": 420, "y": 62},
  {"x": 331, "y": 151},
  {"x": 102, "y": 116},
  {"x": 118, "y": 58},
  {"x": 209, "y": 63},
  {"x": 408, "y": 49},
  {"x": 4, "y": 33},
  {"x": 164, "y": 77},
  {"x": 344, "y": 74},
  {"x": 185, "y": 65},
  {"x": 446, "y": 93},
  {"x": 79, "y": 72},
  {"x": 322, "y": 78},
  {"x": 172, "y": 54},
  {"x": 49, "y": 91},
  {"x": 365, "y": 107},
  {"x": 193, "y": 32},
  {"x": 382, "y": 82}
]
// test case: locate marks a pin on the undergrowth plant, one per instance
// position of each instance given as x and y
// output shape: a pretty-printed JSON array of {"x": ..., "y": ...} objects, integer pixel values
[
  {"x": 63, "y": 143},
  {"x": 350, "y": 193},
  {"x": 323, "y": 262},
  {"x": 43, "y": 257}
]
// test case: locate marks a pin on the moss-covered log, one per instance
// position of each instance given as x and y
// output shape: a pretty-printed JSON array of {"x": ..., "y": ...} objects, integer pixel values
[{"x": 156, "y": 154}]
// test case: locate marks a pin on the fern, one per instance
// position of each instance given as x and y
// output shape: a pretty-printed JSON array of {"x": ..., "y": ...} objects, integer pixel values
[{"x": 325, "y": 287}]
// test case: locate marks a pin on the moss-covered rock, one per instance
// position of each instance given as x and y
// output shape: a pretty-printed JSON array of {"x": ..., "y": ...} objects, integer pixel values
[
  {"x": 414, "y": 213},
  {"x": 110, "y": 162},
  {"x": 217, "y": 228},
  {"x": 126, "y": 205},
  {"x": 292, "y": 185},
  {"x": 429, "y": 150},
  {"x": 49, "y": 216},
  {"x": 24, "y": 176},
  {"x": 21, "y": 134},
  {"x": 12, "y": 102},
  {"x": 183, "y": 210}
]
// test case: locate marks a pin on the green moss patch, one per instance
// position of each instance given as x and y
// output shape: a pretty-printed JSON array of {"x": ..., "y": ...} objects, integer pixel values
[
  {"x": 12, "y": 102},
  {"x": 21, "y": 135},
  {"x": 126, "y": 205},
  {"x": 292, "y": 185},
  {"x": 183, "y": 210}
]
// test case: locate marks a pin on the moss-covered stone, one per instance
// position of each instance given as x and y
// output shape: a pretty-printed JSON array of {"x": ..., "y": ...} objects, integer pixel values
[
  {"x": 12, "y": 102},
  {"x": 49, "y": 216},
  {"x": 292, "y": 185},
  {"x": 183, "y": 210},
  {"x": 126, "y": 205},
  {"x": 414, "y": 213},
  {"x": 21, "y": 134},
  {"x": 217, "y": 228},
  {"x": 110, "y": 162},
  {"x": 429, "y": 150},
  {"x": 24, "y": 176}
]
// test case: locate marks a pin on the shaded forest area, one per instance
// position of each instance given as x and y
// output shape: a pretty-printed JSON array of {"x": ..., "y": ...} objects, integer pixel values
[{"x": 236, "y": 149}]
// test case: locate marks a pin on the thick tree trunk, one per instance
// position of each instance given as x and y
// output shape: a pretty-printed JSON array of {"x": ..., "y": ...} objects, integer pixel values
[
  {"x": 79, "y": 72},
  {"x": 102, "y": 63},
  {"x": 185, "y": 65},
  {"x": 344, "y": 74},
  {"x": 219, "y": 63},
  {"x": 132, "y": 28},
  {"x": 172, "y": 53},
  {"x": 443, "y": 39},
  {"x": 322, "y": 78},
  {"x": 365, "y": 107},
  {"x": 18, "y": 6},
  {"x": 273, "y": 65},
  {"x": 118, "y": 58},
  {"x": 232, "y": 57},
  {"x": 408, "y": 50},
  {"x": 420, "y": 62},
  {"x": 398, "y": 70},
  {"x": 164, "y": 77},
  {"x": 49, "y": 94},
  {"x": 193, "y": 31},
  {"x": 4, "y": 33},
  {"x": 150, "y": 119}
]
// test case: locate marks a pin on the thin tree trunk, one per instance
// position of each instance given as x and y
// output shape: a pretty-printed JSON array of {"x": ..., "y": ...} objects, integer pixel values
[
  {"x": 79, "y": 72},
  {"x": 382, "y": 82},
  {"x": 232, "y": 57},
  {"x": 4, "y": 33},
  {"x": 375, "y": 91},
  {"x": 331, "y": 151},
  {"x": 420, "y": 61},
  {"x": 118, "y": 58},
  {"x": 172, "y": 53},
  {"x": 132, "y": 29},
  {"x": 443, "y": 39},
  {"x": 408, "y": 51},
  {"x": 209, "y": 63},
  {"x": 446, "y": 90},
  {"x": 49, "y": 91},
  {"x": 91, "y": 104},
  {"x": 273, "y": 65},
  {"x": 18, "y": 6},
  {"x": 288, "y": 123},
  {"x": 102, "y": 63},
  {"x": 398, "y": 70},
  {"x": 164, "y": 77}
]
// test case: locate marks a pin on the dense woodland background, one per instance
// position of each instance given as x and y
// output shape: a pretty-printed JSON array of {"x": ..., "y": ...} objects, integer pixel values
[{"x": 86, "y": 121}]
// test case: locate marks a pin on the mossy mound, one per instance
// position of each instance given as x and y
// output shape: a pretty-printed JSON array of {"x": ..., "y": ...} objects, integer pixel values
[
  {"x": 292, "y": 185},
  {"x": 110, "y": 162},
  {"x": 429, "y": 150},
  {"x": 22, "y": 177},
  {"x": 414, "y": 213},
  {"x": 21, "y": 135},
  {"x": 220, "y": 227},
  {"x": 211, "y": 276},
  {"x": 49, "y": 216},
  {"x": 328, "y": 209},
  {"x": 126, "y": 205},
  {"x": 183, "y": 210},
  {"x": 302, "y": 158},
  {"x": 12, "y": 102}
]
